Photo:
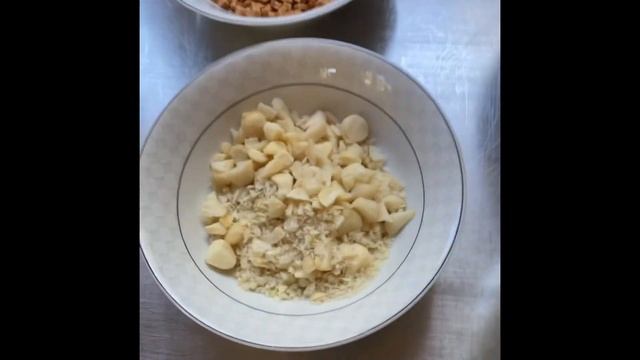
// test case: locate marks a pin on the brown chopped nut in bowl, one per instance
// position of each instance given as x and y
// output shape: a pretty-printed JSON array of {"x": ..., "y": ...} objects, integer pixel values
[{"x": 269, "y": 8}]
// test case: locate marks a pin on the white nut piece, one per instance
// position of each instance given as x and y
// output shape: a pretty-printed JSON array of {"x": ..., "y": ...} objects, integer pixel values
[
  {"x": 397, "y": 221},
  {"x": 256, "y": 253},
  {"x": 298, "y": 194},
  {"x": 331, "y": 119},
  {"x": 322, "y": 262},
  {"x": 355, "y": 256},
  {"x": 275, "y": 236},
  {"x": 238, "y": 153},
  {"x": 235, "y": 234},
  {"x": 333, "y": 139},
  {"x": 316, "y": 127},
  {"x": 299, "y": 149},
  {"x": 323, "y": 149},
  {"x": 274, "y": 148},
  {"x": 367, "y": 191},
  {"x": 383, "y": 214},
  {"x": 369, "y": 209},
  {"x": 291, "y": 225},
  {"x": 221, "y": 179},
  {"x": 225, "y": 146},
  {"x": 295, "y": 117},
  {"x": 302, "y": 120},
  {"x": 293, "y": 136},
  {"x": 254, "y": 143},
  {"x": 342, "y": 146},
  {"x": 287, "y": 124},
  {"x": 284, "y": 182},
  {"x": 296, "y": 170},
  {"x": 319, "y": 153},
  {"x": 382, "y": 180},
  {"x": 281, "y": 108},
  {"x": 226, "y": 220},
  {"x": 212, "y": 207},
  {"x": 275, "y": 208},
  {"x": 239, "y": 176},
  {"x": 283, "y": 113},
  {"x": 325, "y": 175},
  {"x": 336, "y": 130},
  {"x": 353, "y": 154},
  {"x": 222, "y": 166},
  {"x": 220, "y": 255},
  {"x": 257, "y": 156},
  {"x": 351, "y": 222},
  {"x": 393, "y": 202},
  {"x": 315, "y": 204},
  {"x": 268, "y": 112},
  {"x": 323, "y": 254},
  {"x": 218, "y": 157},
  {"x": 311, "y": 185},
  {"x": 273, "y": 131},
  {"x": 375, "y": 154},
  {"x": 216, "y": 229},
  {"x": 308, "y": 265},
  {"x": 328, "y": 196},
  {"x": 308, "y": 171},
  {"x": 316, "y": 117},
  {"x": 242, "y": 174},
  {"x": 237, "y": 136},
  {"x": 354, "y": 172},
  {"x": 280, "y": 162},
  {"x": 354, "y": 128},
  {"x": 395, "y": 184},
  {"x": 252, "y": 123}
]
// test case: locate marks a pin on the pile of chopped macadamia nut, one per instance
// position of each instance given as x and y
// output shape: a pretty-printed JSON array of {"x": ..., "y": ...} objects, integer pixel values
[{"x": 302, "y": 207}]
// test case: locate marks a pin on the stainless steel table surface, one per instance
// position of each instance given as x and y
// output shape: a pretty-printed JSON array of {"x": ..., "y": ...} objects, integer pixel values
[{"x": 453, "y": 48}]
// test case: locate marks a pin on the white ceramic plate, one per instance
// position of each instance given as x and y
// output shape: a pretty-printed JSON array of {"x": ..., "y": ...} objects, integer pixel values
[
  {"x": 213, "y": 11},
  {"x": 308, "y": 74}
]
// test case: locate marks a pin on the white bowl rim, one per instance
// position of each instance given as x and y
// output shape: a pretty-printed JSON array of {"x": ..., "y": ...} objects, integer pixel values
[
  {"x": 418, "y": 297},
  {"x": 231, "y": 18}
]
